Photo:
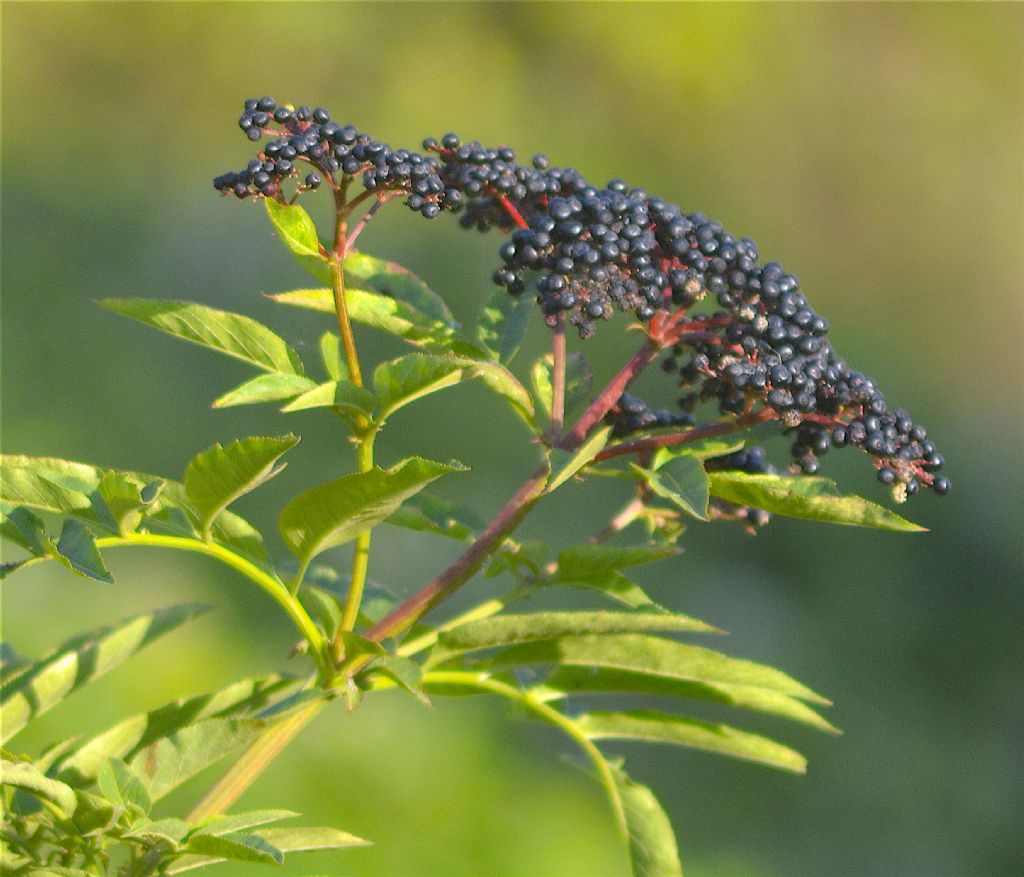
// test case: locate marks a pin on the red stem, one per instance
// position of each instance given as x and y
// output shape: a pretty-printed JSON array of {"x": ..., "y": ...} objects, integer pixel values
[{"x": 558, "y": 379}]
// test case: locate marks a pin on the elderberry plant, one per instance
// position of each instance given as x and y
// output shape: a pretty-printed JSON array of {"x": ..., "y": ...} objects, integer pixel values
[{"x": 746, "y": 354}]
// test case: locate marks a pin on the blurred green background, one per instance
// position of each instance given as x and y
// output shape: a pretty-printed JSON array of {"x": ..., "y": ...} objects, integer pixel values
[{"x": 875, "y": 150}]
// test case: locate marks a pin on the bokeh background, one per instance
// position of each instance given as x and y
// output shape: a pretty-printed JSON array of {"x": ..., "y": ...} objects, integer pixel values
[{"x": 874, "y": 149}]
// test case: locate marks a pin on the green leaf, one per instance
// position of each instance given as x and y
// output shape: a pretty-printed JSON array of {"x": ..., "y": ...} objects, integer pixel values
[
  {"x": 502, "y": 630},
  {"x": 578, "y": 381},
  {"x": 332, "y": 357},
  {"x": 231, "y": 334},
  {"x": 273, "y": 387},
  {"x": 121, "y": 785},
  {"x": 379, "y": 312},
  {"x": 342, "y": 394},
  {"x": 236, "y": 847},
  {"x": 703, "y": 450},
  {"x": 26, "y": 777},
  {"x": 405, "y": 673},
  {"x": 77, "y": 549},
  {"x": 169, "y": 761},
  {"x": 171, "y": 830},
  {"x": 661, "y": 727},
  {"x": 227, "y": 824},
  {"x": 502, "y": 324},
  {"x": 219, "y": 475},
  {"x": 394, "y": 281},
  {"x": 570, "y": 680},
  {"x": 415, "y": 375},
  {"x": 82, "y": 659},
  {"x": 655, "y": 656},
  {"x": 814, "y": 499},
  {"x": 333, "y": 513},
  {"x": 565, "y": 464},
  {"x": 295, "y": 840},
  {"x": 23, "y": 528},
  {"x": 298, "y": 231},
  {"x": 682, "y": 481},
  {"x": 652, "y": 843},
  {"x": 125, "y": 498},
  {"x": 585, "y": 561},
  {"x": 24, "y": 481},
  {"x": 432, "y": 514},
  {"x": 246, "y": 698}
]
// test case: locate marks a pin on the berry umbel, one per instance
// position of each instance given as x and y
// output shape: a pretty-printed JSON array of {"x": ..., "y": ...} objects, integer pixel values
[{"x": 738, "y": 334}]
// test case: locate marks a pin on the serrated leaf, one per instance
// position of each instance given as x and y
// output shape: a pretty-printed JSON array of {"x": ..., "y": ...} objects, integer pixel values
[
  {"x": 432, "y": 514},
  {"x": 655, "y": 656},
  {"x": 81, "y": 660},
  {"x": 233, "y": 822},
  {"x": 169, "y": 761},
  {"x": 333, "y": 513},
  {"x": 652, "y": 842},
  {"x": 171, "y": 830},
  {"x": 26, "y": 777},
  {"x": 571, "y": 680},
  {"x": 236, "y": 847},
  {"x": 682, "y": 481},
  {"x": 565, "y": 464},
  {"x": 244, "y": 699},
  {"x": 502, "y": 323},
  {"x": 23, "y": 484},
  {"x": 502, "y": 630},
  {"x": 273, "y": 387},
  {"x": 332, "y": 357},
  {"x": 232, "y": 334},
  {"x": 343, "y": 395},
  {"x": 659, "y": 727},
  {"x": 298, "y": 231},
  {"x": 813, "y": 499},
  {"x": 405, "y": 673},
  {"x": 415, "y": 375},
  {"x": 23, "y": 528},
  {"x": 706, "y": 449},
  {"x": 394, "y": 281},
  {"x": 119, "y": 784},
  {"x": 219, "y": 475}
]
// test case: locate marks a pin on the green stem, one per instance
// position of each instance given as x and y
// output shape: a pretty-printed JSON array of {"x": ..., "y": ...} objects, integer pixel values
[
  {"x": 271, "y": 586},
  {"x": 549, "y": 714},
  {"x": 244, "y": 772}
]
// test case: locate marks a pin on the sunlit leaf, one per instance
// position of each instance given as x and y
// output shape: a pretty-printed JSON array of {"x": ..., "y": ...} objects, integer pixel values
[
  {"x": 232, "y": 334},
  {"x": 301, "y": 839},
  {"x": 652, "y": 843},
  {"x": 81, "y": 660},
  {"x": 508, "y": 629},
  {"x": 228, "y": 823},
  {"x": 658, "y": 727},
  {"x": 28, "y": 778},
  {"x": 332, "y": 357},
  {"x": 578, "y": 381},
  {"x": 565, "y": 464},
  {"x": 171, "y": 830},
  {"x": 124, "y": 498},
  {"x": 119, "y": 784},
  {"x": 219, "y": 475},
  {"x": 656, "y": 656},
  {"x": 236, "y": 847},
  {"x": 342, "y": 394},
  {"x": 333, "y": 513},
  {"x": 394, "y": 281},
  {"x": 572, "y": 680},
  {"x": 298, "y": 231},
  {"x": 273, "y": 387},
  {"x": 815, "y": 499}
]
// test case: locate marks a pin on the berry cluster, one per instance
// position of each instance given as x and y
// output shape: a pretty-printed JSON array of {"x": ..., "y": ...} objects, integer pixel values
[{"x": 762, "y": 354}]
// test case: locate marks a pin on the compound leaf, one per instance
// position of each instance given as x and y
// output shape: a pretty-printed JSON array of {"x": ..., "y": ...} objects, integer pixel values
[{"x": 232, "y": 334}]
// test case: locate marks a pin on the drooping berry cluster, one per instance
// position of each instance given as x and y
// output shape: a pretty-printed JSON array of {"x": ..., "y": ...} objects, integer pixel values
[{"x": 762, "y": 354}]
